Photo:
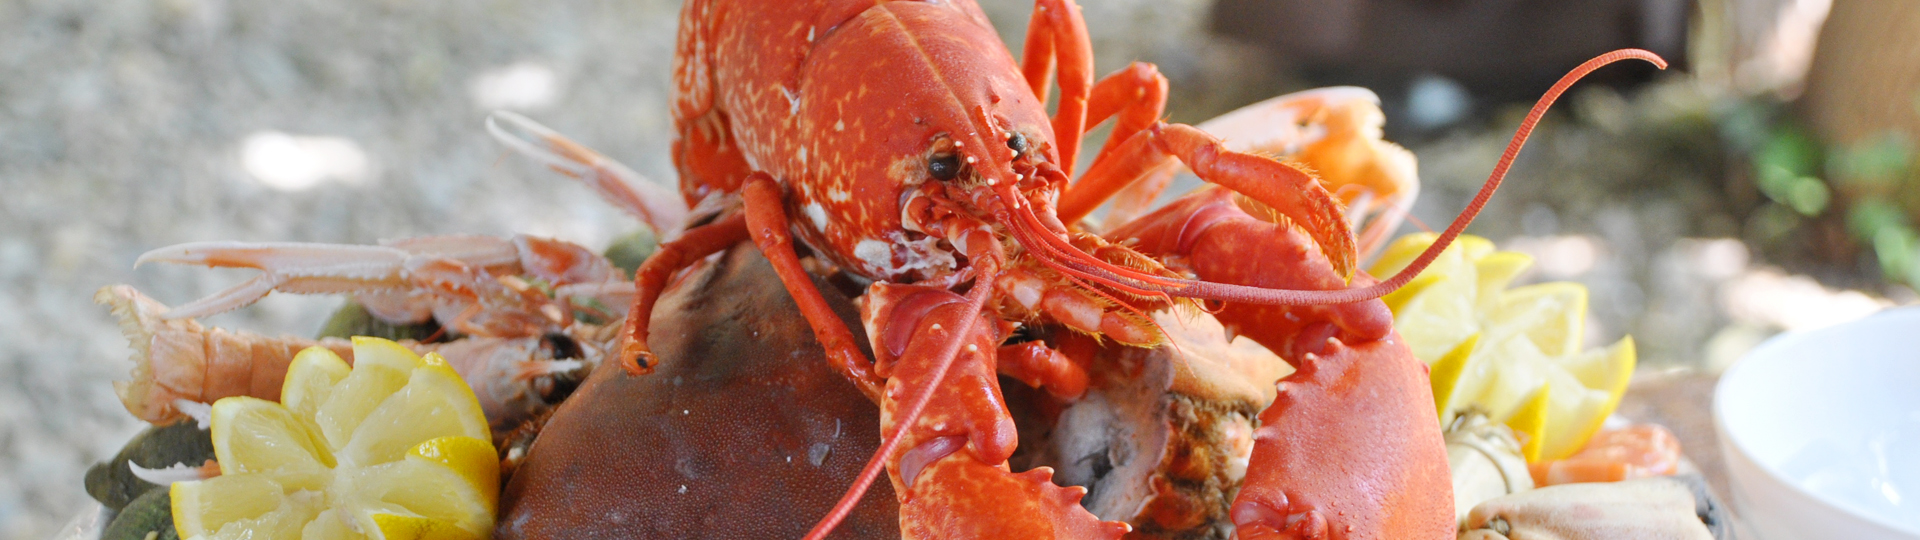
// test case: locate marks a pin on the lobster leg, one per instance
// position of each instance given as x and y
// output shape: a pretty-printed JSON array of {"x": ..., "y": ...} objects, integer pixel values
[
  {"x": 1333, "y": 131},
  {"x": 651, "y": 279},
  {"x": 1057, "y": 35},
  {"x": 950, "y": 468},
  {"x": 1282, "y": 188},
  {"x": 767, "y": 224},
  {"x": 1039, "y": 366},
  {"x": 290, "y": 267},
  {"x": 1336, "y": 132},
  {"x": 1136, "y": 94},
  {"x": 1207, "y": 233}
]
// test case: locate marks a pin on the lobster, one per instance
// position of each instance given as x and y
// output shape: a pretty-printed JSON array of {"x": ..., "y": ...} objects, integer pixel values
[{"x": 899, "y": 142}]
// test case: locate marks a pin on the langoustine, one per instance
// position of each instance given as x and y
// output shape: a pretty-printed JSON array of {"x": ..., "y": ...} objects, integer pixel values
[
  {"x": 180, "y": 364},
  {"x": 514, "y": 306},
  {"x": 512, "y": 303}
]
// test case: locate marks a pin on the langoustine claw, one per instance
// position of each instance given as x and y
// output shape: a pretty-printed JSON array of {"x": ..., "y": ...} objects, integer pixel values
[{"x": 476, "y": 285}]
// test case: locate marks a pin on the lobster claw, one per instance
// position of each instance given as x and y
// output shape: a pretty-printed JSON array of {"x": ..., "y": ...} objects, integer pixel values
[{"x": 950, "y": 469}]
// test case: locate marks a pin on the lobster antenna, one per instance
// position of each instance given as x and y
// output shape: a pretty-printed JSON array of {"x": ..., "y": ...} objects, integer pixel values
[
  {"x": 1057, "y": 253},
  {"x": 1259, "y": 295}
]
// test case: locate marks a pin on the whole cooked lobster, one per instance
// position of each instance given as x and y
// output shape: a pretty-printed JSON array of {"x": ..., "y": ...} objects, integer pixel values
[{"x": 901, "y": 143}]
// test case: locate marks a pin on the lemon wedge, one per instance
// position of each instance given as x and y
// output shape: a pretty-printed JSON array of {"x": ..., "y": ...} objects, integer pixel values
[
  {"x": 1529, "y": 423},
  {"x": 393, "y": 448},
  {"x": 1553, "y": 315},
  {"x": 1514, "y": 353}
]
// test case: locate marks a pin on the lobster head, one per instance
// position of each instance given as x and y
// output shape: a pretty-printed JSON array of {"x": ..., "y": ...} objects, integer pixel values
[{"x": 924, "y": 142}]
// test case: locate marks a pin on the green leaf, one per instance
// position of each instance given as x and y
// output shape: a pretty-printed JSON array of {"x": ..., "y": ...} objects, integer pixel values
[
  {"x": 1809, "y": 196},
  {"x": 1877, "y": 164},
  {"x": 1899, "y": 252}
]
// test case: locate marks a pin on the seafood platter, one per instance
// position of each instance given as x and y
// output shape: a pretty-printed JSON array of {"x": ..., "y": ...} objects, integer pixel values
[{"x": 881, "y": 305}]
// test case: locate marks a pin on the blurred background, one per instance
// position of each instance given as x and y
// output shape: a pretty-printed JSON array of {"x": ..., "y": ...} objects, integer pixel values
[{"x": 1767, "y": 183}]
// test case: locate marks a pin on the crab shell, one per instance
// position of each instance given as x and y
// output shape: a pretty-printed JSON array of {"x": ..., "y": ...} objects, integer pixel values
[
  {"x": 744, "y": 432},
  {"x": 1162, "y": 437}
]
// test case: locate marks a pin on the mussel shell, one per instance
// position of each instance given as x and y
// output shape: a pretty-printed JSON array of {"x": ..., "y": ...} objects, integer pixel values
[
  {"x": 150, "y": 513},
  {"x": 112, "y": 482}
]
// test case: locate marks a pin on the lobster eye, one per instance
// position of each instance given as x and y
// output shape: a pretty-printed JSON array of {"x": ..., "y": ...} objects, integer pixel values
[
  {"x": 1017, "y": 142},
  {"x": 943, "y": 166}
]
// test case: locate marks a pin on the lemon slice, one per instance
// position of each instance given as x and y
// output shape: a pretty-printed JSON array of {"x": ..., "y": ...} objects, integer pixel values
[
  {"x": 1512, "y": 353},
  {"x": 393, "y": 448},
  {"x": 434, "y": 403},
  {"x": 1449, "y": 374},
  {"x": 1494, "y": 272},
  {"x": 407, "y": 527},
  {"x": 1604, "y": 374},
  {"x": 1607, "y": 368},
  {"x": 311, "y": 378},
  {"x": 381, "y": 368},
  {"x": 1553, "y": 315},
  {"x": 203, "y": 507},
  {"x": 1530, "y": 422}
]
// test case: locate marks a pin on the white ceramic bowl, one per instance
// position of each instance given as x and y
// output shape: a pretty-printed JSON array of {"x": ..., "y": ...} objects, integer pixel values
[{"x": 1809, "y": 405}]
